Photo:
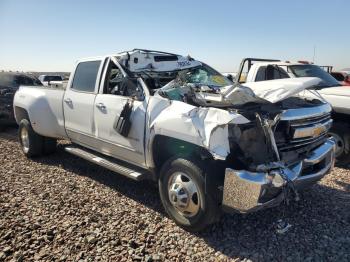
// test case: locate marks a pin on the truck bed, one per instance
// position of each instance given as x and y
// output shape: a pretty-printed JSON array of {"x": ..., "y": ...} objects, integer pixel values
[{"x": 46, "y": 110}]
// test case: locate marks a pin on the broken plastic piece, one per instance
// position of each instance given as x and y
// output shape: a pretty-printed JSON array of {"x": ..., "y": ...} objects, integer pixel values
[
  {"x": 211, "y": 125},
  {"x": 282, "y": 226}
]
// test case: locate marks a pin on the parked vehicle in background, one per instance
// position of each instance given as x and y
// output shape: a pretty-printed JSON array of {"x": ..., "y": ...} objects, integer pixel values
[
  {"x": 210, "y": 145},
  {"x": 342, "y": 77},
  {"x": 329, "y": 88},
  {"x": 46, "y": 79},
  {"x": 346, "y": 70},
  {"x": 9, "y": 84}
]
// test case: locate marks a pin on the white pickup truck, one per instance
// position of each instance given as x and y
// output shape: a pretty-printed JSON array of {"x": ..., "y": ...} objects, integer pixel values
[
  {"x": 210, "y": 145},
  {"x": 257, "y": 70},
  {"x": 47, "y": 79}
]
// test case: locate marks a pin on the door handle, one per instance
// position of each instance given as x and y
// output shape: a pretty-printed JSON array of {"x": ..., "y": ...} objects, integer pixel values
[
  {"x": 68, "y": 100},
  {"x": 101, "y": 106}
]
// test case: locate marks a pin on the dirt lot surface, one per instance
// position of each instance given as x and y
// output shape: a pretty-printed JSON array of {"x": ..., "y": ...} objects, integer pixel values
[{"x": 62, "y": 208}]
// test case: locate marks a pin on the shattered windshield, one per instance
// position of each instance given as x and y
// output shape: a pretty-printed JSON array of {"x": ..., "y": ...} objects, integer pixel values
[
  {"x": 189, "y": 81},
  {"x": 205, "y": 76},
  {"x": 314, "y": 71}
]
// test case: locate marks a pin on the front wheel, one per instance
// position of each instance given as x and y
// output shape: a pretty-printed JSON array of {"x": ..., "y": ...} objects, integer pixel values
[{"x": 182, "y": 192}]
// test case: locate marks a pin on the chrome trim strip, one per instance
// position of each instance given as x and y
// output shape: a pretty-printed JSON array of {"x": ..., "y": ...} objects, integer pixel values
[
  {"x": 103, "y": 140},
  {"x": 305, "y": 140},
  {"x": 303, "y": 143},
  {"x": 320, "y": 153},
  {"x": 327, "y": 117},
  {"x": 120, "y": 169},
  {"x": 312, "y": 131},
  {"x": 320, "y": 173},
  {"x": 300, "y": 113}
]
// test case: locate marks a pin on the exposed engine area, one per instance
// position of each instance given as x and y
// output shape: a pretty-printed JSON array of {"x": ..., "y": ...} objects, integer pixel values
[{"x": 291, "y": 139}]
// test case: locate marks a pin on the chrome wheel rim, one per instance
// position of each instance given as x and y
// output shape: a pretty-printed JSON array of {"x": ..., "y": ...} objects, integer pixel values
[
  {"x": 184, "y": 194},
  {"x": 339, "y": 144},
  {"x": 25, "y": 140}
]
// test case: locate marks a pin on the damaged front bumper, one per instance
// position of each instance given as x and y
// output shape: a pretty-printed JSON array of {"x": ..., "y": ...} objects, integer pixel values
[{"x": 246, "y": 191}]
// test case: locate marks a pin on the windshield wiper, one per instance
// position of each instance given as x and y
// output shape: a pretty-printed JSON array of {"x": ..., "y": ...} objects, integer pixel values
[{"x": 319, "y": 87}]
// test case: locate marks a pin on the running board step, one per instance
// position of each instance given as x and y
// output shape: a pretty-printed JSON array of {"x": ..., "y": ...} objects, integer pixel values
[{"x": 104, "y": 162}]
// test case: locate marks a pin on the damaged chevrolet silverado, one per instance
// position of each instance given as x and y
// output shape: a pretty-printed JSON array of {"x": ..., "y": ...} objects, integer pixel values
[{"x": 211, "y": 145}]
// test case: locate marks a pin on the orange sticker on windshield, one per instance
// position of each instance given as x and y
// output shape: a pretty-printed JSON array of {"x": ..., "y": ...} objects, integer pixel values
[{"x": 218, "y": 79}]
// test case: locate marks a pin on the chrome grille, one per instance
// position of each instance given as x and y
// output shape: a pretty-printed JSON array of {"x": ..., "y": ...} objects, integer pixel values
[
  {"x": 311, "y": 121},
  {"x": 315, "y": 128}
]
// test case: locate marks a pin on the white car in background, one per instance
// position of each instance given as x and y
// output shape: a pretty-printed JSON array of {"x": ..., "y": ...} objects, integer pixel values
[
  {"x": 46, "y": 79},
  {"x": 258, "y": 70},
  {"x": 346, "y": 71}
]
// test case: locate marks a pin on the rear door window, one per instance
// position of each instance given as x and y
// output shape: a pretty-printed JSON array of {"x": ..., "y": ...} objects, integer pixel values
[
  {"x": 85, "y": 76},
  {"x": 340, "y": 77},
  {"x": 52, "y": 78},
  {"x": 27, "y": 81},
  {"x": 260, "y": 75},
  {"x": 270, "y": 72}
]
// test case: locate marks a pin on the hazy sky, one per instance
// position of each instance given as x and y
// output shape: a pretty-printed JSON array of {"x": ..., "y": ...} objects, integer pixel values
[{"x": 51, "y": 35}]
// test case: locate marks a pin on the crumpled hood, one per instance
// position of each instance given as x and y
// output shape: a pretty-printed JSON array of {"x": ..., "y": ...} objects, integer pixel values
[{"x": 271, "y": 91}]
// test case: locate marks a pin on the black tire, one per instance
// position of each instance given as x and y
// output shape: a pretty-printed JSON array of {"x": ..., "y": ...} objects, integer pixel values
[
  {"x": 208, "y": 211},
  {"x": 341, "y": 133},
  {"x": 50, "y": 145},
  {"x": 34, "y": 147}
]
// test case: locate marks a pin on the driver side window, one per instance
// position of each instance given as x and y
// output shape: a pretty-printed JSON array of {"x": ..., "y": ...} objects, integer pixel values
[
  {"x": 114, "y": 77},
  {"x": 118, "y": 84}
]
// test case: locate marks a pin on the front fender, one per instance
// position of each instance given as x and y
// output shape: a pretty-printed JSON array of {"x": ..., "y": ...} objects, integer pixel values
[{"x": 204, "y": 127}]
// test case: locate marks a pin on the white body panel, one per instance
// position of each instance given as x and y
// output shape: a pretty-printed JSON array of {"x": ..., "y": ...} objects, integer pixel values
[
  {"x": 278, "y": 90},
  {"x": 79, "y": 114},
  {"x": 337, "y": 96},
  {"x": 129, "y": 148},
  {"x": 44, "y": 107}
]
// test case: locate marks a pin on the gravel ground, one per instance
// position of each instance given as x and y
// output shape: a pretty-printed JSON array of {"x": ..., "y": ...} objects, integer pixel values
[{"x": 62, "y": 208}]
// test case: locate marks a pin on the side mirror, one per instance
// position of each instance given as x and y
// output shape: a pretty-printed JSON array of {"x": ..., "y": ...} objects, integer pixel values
[{"x": 139, "y": 95}]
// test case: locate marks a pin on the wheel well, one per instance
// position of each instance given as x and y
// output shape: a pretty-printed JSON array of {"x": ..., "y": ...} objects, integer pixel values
[
  {"x": 338, "y": 117},
  {"x": 165, "y": 147},
  {"x": 21, "y": 113}
]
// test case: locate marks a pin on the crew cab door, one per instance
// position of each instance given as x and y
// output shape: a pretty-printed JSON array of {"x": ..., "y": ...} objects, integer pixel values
[
  {"x": 78, "y": 103},
  {"x": 116, "y": 91}
]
